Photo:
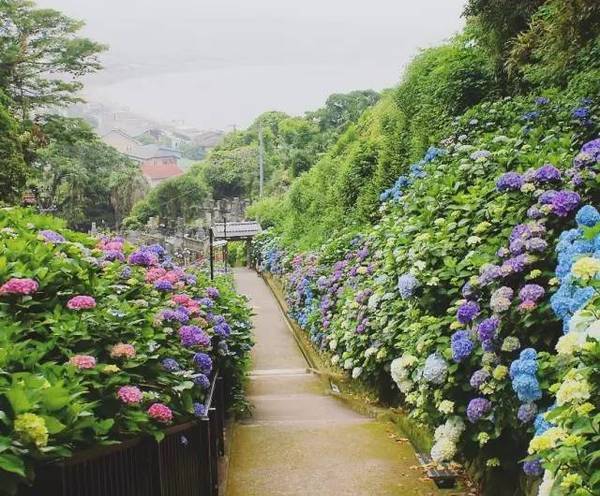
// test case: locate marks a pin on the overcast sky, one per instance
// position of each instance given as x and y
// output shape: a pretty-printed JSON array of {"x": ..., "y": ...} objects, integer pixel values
[{"x": 216, "y": 63}]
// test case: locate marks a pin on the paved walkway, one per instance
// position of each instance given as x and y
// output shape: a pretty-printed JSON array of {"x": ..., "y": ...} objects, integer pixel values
[{"x": 301, "y": 441}]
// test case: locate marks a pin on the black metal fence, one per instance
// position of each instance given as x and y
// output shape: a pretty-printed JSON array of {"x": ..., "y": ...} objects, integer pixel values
[{"x": 184, "y": 463}]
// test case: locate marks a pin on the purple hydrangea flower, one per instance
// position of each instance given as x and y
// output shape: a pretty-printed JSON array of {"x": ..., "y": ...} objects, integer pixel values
[
  {"x": 52, "y": 237},
  {"x": 477, "y": 409},
  {"x": 126, "y": 272},
  {"x": 489, "y": 273},
  {"x": 478, "y": 378},
  {"x": 527, "y": 412},
  {"x": 536, "y": 245},
  {"x": 461, "y": 345},
  {"x": 112, "y": 255},
  {"x": 531, "y": 292},
  {"x": 203, "y": 362},
  {"x": 564, "y": 202},
  {"x": 542, "y": 100},
  {"x": 202, "y": 381},
  {"x": 547, "y": 173},
  {"x": 486, "y": 329},
  {"x": 517, "y": 246},
  {"x": 207, "y": 302},
  {"x": 199, "y": 410},
  {"x": 193, "y": 336},
  {"x": 533, "y": 468},
  {"x": 515, "y": 265},
  {"x": 589, "y": 154},
  {"x": 488, "y": 345},
  {"x": 163, "y": 285},
  {"x": 157, "y": 249},
  {"x": 178, "y": 315},
  {"x": 171, "y": 365},
  {"x": 534, "y": 212},
  {"x": 547, "y": 197},
  {"x": 141, "y": 257},
  {"x": 222, "y": 329},
  {"x": 581, "y": 113},
  {"x": 213, "y": 293},
  {"x": 467, "y": 312},
  {"x": 511, "y": 181}
]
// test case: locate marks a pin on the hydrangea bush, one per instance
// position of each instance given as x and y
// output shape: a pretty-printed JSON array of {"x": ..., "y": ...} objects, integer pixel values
[
  {"x": 455, "y": 315},
  {"x": 94, "y": 350}
]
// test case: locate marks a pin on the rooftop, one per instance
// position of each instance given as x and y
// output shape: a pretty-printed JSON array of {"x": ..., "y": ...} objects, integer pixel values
[
  {"x": 159, "y": 172},
  {"x": 145, "y": 152}
]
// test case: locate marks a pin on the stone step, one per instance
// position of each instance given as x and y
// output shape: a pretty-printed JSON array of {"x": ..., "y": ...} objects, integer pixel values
[{"x": 280, "y": 372}]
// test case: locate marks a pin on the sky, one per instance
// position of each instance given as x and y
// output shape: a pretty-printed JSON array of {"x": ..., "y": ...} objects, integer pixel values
[{"x": 215, "y": 64}]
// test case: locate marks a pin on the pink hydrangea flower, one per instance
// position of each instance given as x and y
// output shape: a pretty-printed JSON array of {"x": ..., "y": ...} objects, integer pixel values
[
  {"x": 160, "y": 413},
  {"x": 130, "y": 395},
  {"x": 19, "y": 286},
  {"x": 122, "y": 350},
  {"x": 81, "y": 303},
  {"x": 171, "y": 276},
  {"x": 83, "y": 361},
  {"x": 113, "y": 245},
  {"x": 182, "y": 299},
  {"x": 155, "y": 274}
]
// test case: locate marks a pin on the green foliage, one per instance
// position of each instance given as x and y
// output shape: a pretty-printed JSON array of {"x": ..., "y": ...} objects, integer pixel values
[
  {"x": 82, "y": 178},
  {"x": 42, "y": 56},
  {"x": 13, "y": 170},
  {"x": 498, "y": 23},
  {"x": 230, "y": 173},
  {"x": 181, "y": 197},
  {"x": 561, "y": 40},
  {"x": 445, "y": 230},
  {"x": 342, "y": 189},
  {"x": 50, "y": 408}
]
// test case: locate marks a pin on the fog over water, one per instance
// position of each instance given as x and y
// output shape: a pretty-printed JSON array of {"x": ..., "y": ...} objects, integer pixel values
[{"x": 216, "y": 63}]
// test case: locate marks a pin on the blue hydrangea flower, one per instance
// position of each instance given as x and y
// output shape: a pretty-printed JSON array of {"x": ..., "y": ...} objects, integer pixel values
[
  {"x": 407, "y": 285},
  {"x": 587, "y": 216}
]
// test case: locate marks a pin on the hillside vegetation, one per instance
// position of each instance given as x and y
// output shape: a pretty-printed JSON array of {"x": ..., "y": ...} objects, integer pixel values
[{"x": 444, "y": 251}]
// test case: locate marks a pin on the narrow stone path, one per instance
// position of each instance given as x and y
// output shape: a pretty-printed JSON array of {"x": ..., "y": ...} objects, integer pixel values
[{"x": 301, "y": 441}]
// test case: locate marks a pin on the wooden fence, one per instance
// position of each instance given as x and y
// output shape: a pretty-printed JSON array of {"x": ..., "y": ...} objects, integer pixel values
[{"x": 184, "y": 463}]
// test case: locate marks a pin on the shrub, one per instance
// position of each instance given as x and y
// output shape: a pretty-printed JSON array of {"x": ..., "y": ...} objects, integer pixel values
[{"x": 102, "y": 341}]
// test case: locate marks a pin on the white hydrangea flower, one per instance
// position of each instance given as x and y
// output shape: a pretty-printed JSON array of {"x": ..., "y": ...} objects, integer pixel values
[
  {"x": 333, "y": 344},
  {"x": 446, "y": 406},
  {"x": 356, "y": 372},
  {"x": 370, "y": 351},
  {"x": 443, "y": 450}
]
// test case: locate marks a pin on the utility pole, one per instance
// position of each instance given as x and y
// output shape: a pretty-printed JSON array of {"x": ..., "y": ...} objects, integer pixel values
[{"x": 261, "y": 159}]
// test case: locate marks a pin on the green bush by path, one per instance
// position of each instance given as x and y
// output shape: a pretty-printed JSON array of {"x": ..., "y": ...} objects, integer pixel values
[
  {"x": 383, "y": 304},
  {"x": 102, "y": 342}
]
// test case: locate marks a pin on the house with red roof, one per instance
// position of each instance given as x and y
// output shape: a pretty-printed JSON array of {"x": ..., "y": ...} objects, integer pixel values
[{"x": 157, "y": 163}]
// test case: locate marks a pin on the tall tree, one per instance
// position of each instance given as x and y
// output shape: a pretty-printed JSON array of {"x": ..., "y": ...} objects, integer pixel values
[
  {"x": 13, "y": 171},
  {"x": 83, "y": 178},
  {"x": 42, "y": 57}
]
